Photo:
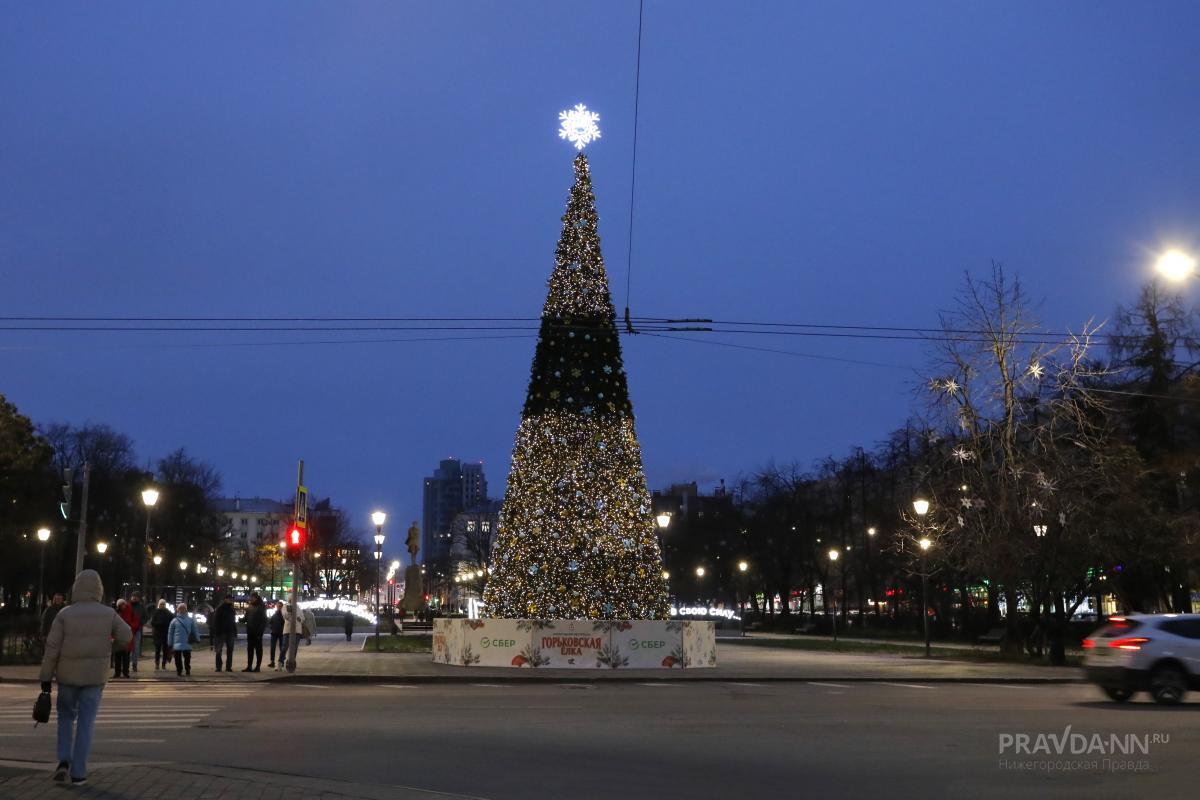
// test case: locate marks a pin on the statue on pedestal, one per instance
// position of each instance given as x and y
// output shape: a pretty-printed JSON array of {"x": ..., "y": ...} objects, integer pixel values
[{"x": 414, "y": 591}]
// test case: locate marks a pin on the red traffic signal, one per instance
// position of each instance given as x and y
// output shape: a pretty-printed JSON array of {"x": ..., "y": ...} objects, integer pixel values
[{"x": 295, "y": 540}]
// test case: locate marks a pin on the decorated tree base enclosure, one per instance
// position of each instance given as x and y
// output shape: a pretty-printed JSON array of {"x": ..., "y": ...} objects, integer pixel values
[
  {"x": 576, "y": 578},
  {"x": 575, "y": 644}
]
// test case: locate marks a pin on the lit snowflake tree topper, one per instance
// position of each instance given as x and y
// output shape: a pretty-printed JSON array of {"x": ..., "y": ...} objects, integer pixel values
[{"x": 578, "y": 126}]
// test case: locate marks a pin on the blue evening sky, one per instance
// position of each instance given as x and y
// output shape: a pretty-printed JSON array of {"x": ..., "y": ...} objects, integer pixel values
[{"x": 808, "y": 162}]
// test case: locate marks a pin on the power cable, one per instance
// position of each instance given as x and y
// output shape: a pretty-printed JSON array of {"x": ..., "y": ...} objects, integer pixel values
[{"x": 637, "y": 88}]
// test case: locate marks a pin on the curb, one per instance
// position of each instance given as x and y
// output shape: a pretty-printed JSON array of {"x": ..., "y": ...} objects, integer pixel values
[
  {"x": 584, "y": 677},
  {"x": 651, "y": 678}
]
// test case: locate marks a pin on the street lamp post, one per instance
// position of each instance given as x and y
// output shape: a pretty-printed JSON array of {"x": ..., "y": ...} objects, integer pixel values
[
  {"x": 833, "y": 557},
  {"x": 43, "y": 536},
  {"x": 378, "y": 518},
  {"x": 102, "y": 548},
  {"x": 925, "y": 545},
  {"x": 149, "y": 498},
  {"x": 742, "y": 566},
  {"x": 150, "y": 600},
  {"x": 921, "y": 506},
  {"x": 870, "y": 572}
]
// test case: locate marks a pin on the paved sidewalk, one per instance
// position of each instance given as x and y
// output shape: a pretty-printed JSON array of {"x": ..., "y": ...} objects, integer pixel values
[
  {"x": 331, "y": 658},
  {"x": 23, "y": 780}
]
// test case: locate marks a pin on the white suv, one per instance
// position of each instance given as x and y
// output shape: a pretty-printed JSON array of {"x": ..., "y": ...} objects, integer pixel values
[{"x": 1159, "y": 653}]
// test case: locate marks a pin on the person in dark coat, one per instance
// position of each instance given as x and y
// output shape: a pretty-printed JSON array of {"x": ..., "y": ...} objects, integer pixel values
[
  {"x": 224, "y": 632},
  {"x": 276, "y": 623},
  {"x": 56, "y": 605},
  {"x": 348, "y": 624},
  {"x": 256, "y": 624},
  {"x": 160, "y": 622}
]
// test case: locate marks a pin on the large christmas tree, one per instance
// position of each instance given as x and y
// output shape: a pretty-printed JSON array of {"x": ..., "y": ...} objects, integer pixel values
[{"x": 577, "y": 536}]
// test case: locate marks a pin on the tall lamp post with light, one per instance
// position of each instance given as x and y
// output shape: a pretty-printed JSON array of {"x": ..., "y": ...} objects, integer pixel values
[
  {"x": 921, "y": 506},
  {"x": 43, "y": 536},
  {"x": 833, "y": 559},
  {"x": 149, "y": 498},
  {"x": 378, "y": 518},
  {"x": 150, "y": 600},
  {"x": 101, "y": 549},
  {"x": 743, "y": 567}
]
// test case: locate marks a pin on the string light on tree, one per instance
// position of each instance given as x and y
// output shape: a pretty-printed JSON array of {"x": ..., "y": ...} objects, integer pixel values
[{"x": 577, "y": 536}]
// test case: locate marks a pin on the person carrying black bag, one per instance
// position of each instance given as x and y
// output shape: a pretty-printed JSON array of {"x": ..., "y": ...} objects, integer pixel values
[{"x": 78, "y": 652}]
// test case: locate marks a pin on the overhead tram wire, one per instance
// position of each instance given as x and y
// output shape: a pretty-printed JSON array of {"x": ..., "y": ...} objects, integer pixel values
[
  {"x": 733, "y": 345},
  {"x": 382, "y": 323},
  {"x": 637, "y": 88}
]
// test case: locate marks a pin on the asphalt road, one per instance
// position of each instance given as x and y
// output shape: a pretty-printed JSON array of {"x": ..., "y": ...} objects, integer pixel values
[{"x": 655, "y": 740}]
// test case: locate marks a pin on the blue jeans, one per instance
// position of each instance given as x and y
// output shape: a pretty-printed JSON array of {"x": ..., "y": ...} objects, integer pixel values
[
  {"x": 77, "y": 709},
  {"x": 286, "y": 642},
  {"x": 137, "y": 647}
]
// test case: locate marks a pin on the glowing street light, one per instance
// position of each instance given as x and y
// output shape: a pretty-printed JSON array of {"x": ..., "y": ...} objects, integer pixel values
[
  {"x": 871, "y": 531},
  {"x": 43, "y": 535},
  {"x": 699, "y": 572},
  {"x": 157, "y": 560},
  {"x": 101, "y": 547},
  {"x": 663, "y": 520},
  {"x": 1175, "y": 265},
  {"x": 834, "y": 554},
  {"x": 921, "y": 506},
  {"x": 183, "y": 566},
  {"x": 378, "y": 518},
  {"x": 743, "y": 566},
  {"x": 149, "y": 498},
  {"x": 925, "y": 544},
  {"x": 666, "y": 575}
]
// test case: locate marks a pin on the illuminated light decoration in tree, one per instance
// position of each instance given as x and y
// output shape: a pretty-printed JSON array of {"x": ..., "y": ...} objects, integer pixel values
[
  {"x": 578, "y": 126},
  {"x": 577, "y": 537}
]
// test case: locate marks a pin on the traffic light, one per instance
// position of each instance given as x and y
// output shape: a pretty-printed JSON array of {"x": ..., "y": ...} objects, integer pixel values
[
  {"x": 64, "y": 507},
  {"x": 295, "y": 541}
]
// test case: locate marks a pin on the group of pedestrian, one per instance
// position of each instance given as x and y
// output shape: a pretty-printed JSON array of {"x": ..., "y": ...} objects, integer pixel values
[{"x": 87, "y": 638}]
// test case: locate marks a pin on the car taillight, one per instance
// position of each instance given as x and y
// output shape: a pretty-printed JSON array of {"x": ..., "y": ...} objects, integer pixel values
[
  {"x": 1131, "y": 643},
  {"x": 1088, "y": 644}
]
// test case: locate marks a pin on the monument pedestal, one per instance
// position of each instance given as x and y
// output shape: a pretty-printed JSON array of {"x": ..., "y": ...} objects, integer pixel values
[{"x": 575, "y": 644}]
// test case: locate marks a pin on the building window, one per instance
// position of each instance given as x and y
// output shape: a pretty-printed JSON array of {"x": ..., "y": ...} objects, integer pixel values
[
  {"x": 485, "y": 526},
  {"x": 470, "y": 526}
]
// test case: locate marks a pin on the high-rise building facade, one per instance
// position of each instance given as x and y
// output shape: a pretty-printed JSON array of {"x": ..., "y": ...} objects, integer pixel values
[{"x": 451, "y": 488}]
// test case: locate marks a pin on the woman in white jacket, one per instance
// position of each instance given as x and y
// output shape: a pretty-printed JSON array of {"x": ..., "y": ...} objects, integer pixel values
[{"x": 290, "y": 614}]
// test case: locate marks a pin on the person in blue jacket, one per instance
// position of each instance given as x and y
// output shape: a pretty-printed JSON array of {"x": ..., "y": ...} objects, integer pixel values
[{"x": 181, "y": 636}]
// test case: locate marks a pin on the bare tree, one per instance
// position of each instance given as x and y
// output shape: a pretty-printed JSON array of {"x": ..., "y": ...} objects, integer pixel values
[{"x": 1026, "y": 447}]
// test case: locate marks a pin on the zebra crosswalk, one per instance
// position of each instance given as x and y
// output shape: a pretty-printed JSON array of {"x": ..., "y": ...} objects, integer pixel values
[{"x": 138, "y": 707}]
